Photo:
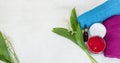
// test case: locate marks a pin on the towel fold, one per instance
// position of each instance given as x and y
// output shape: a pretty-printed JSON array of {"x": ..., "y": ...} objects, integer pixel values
[{"x": 112, "y": 37}]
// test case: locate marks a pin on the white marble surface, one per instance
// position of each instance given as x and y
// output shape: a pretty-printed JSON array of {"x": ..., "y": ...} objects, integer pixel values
[{"x": 28, "y": 24}]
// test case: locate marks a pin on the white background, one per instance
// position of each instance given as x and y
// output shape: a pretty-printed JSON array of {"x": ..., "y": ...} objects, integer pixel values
[{"x": 29, "y": 23}]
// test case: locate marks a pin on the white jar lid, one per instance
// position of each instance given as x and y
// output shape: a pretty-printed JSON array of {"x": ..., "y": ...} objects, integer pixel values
[{"x": 97, "y": 29}]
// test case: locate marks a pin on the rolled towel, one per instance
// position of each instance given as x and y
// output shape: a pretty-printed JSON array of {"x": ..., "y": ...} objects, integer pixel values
[
  {"x": 100, "y": 13},
  {"x": 112, "y": 37}
]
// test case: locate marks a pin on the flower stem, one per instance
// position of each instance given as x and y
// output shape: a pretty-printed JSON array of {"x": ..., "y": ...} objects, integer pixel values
[{"x": 91, "y": 58}]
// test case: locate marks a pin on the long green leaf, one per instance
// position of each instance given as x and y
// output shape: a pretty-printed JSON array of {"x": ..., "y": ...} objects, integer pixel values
[
  {"x": 79, "y": 37},
  {"x": 64, "y": 32},
  {"x": 73, "y": 20},
  {"x": 7, "y": 53},
  {"x": 76, "y": 28},
  {"x": 4, "y": 53},
  {"x": 12, "y": 53},
  {"x": 78, "y": 34}
]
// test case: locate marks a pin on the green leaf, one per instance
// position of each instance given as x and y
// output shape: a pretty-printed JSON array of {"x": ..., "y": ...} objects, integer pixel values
[
  {"x": 79, "y": 37},
  {"x": 73, "y": 20},
  {"x": 65, "y": 33},
  {"x": 7, "y": 53},
  {"x": 4, "y": 53}
]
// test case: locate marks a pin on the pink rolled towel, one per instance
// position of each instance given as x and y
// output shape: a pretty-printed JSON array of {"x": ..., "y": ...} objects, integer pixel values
[{"x": 112, "y": 37}]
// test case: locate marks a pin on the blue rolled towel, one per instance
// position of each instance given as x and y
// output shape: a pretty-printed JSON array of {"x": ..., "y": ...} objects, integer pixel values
[{"x": 100, "y": 13}]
